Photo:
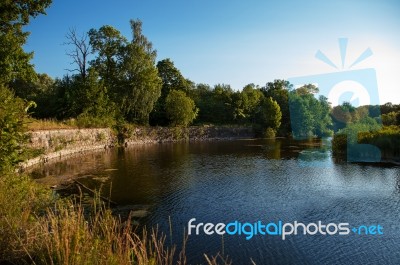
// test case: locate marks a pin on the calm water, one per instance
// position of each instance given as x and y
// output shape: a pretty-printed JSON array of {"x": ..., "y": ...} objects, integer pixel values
[{"x": 251, "y": 180}]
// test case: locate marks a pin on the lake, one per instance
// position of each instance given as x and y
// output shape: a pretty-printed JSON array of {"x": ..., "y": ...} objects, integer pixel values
[{"x": 249, "y": 181}]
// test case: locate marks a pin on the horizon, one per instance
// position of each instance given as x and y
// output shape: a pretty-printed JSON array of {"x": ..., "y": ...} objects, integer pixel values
[{"x": 237, "y": 43}]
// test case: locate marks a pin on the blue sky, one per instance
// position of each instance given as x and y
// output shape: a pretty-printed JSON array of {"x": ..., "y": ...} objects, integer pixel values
[{"x": 237, "y": 42}]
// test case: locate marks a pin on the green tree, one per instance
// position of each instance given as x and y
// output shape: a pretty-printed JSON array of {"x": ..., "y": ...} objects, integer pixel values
[
  {"x": 180, "y": 109},
  {"x": 323, "y": 119},
  {"x": 246, "y": 102},
  {"x": 128, "y": 70},
  {"x": 268, "y": 115},
  {"x": 307, "y": 90},
  {"x": 279, "y": 91},
  {"x": 301, "y": 116},
  {"x": 202, "y": 96},
  {"x": 309, "y": 116},
  {"x": 221, "y": 109},
  {"x": 44, "y": 97},
  {"x": 141, "y": 85},
  {"x": 172, "y": 79},
  {"x": 108, "y": 46},
  {"x": 41, "y": 91},
  {"x": 14, "y": 61},
  {"x": 32, "y": 89},
  {"x": 342, "y": 115},
  {"x": 98, "y": 109},
  {"x": 62, "y": 99}
]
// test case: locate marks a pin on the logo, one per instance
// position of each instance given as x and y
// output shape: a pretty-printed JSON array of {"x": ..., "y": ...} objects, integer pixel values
[
  {"x": 357, "y": 87},
  {"x": 281, "y": 229}
]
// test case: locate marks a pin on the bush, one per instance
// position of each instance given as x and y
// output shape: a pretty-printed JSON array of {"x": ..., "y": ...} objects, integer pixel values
[
  {"x": 269, "y": 133},
  {"x": 12, "y": 128},
  {"x": 387, "y": 140},
  {"x": 181, "y": 110}
]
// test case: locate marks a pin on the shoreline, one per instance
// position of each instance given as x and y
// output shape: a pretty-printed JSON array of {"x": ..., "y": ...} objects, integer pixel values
[{"x": 65, "y": 143}]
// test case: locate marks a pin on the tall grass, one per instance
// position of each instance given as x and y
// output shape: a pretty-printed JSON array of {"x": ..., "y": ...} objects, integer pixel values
[
  {"x": 68, "y": 237},
  {"x": 39, "y": 228},
  {"x": 21, "y": 201}
]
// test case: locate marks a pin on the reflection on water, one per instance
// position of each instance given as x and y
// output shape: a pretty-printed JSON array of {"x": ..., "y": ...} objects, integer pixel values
[{"x": 251, "y": 180}]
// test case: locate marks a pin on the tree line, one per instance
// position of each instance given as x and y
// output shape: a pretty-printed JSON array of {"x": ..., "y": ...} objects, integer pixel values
[{"x": 114, "y": 80}]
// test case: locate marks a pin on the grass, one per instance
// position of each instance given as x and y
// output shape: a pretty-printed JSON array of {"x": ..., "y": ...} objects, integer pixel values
[
  {"x": 68, "y": 237},
  {"x": 80, "y": 122},
  {"x": 50, "y": 124},
  {"x": 39, "y": 228}
]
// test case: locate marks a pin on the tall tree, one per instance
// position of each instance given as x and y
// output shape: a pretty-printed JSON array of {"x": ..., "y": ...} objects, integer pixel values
[
  {"x": 108, "y": 46},
  {"x": 14, "y": 61},
  {"x": 309, "y": 116},
  {"x": 79, "y": 52},
  {"x": 127, "y": 69},
  {"x": 141, "y": 85},
  {"x": 279, "y": 91},
  {"x": 268, "y": 114}
]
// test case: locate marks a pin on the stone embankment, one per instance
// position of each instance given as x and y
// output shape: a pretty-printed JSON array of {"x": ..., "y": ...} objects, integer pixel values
[{"x": 64, "y": 142}]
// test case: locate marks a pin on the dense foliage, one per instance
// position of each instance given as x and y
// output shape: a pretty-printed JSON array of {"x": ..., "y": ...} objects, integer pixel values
[
  {"x": 309, "y": 116},
  {"x": 180, "y": 109},
  {"x": 12, "y": 128},
  {"x": 14, "y": 61}
]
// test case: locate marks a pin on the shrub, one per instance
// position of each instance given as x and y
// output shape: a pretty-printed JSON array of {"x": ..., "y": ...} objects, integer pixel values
[
  {"x": 180, "y": 109},
  {"x": 269, "y": 133},
  {"x": 12, "y": 128}
]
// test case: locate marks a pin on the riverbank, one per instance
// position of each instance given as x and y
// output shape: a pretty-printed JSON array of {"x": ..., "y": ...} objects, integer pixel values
[
  {"x": 41, "y": 228},
  {"x": 61, "y": 143}
]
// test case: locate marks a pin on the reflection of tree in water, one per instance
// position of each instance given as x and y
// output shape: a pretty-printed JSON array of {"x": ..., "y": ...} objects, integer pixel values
[
  {"x": 313, "y": 155},
  {"x": 272, "y": 149},
  {"x": 315, "y": 150},
  {"x": 308, "y": 150}
]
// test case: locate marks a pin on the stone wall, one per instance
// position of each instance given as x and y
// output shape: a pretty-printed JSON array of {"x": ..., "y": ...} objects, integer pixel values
[
  {"x": 60, "y": 143},
  {"x": 65, "y": 142},
  {"x": 140, "y": 135}
]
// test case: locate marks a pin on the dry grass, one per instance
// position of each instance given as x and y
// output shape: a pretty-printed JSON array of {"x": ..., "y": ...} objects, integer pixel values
[
  {"x": 50, "y": 124},
  {"x": 69, "y": 237},
  {"x": 36, "y": 228}
]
